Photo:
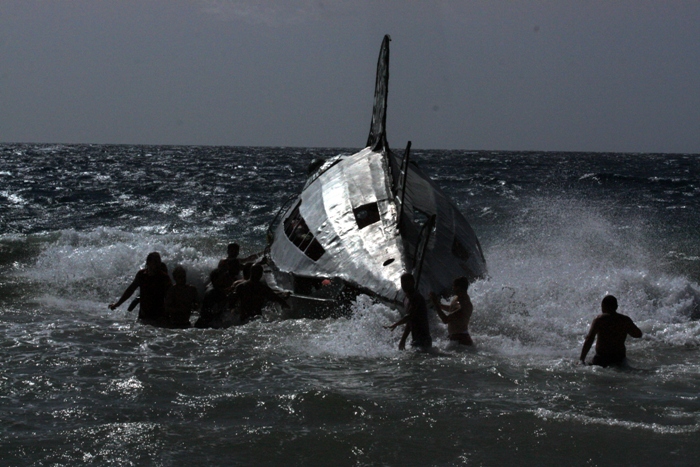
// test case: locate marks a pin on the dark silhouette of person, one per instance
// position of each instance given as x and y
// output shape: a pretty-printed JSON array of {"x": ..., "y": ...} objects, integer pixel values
[
  {"x": 227, "y": 279},
  {"x": 134, "y": 303},
  {"x": 235, "y": 264},
  {"x": 416, "y": 319},
  {"x": 153, "y": 283},
  {"x": 252, "y": 294},
  {"x": 609, "y": 331},
  {"x": 180, "y": 300},
  {"x": 460, "y": 308},
  {"x": 215, "y": 302}
]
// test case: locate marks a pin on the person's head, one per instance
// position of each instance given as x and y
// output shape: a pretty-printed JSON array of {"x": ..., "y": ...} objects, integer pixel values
[
  {"x": 609, "y": 304},
  {"x": 460, "y": 285},
  {"x": 180, "y": 274},
  {"x": 153, "y": 262},
  {"x": 256, "y": 272},
  {"x": 408, "y": 283},
  {"x": 233, "y": 250},
  {"x": 246, "y": 270}
]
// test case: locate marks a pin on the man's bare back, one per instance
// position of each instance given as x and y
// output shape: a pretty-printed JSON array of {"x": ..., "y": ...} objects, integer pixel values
[{"x": 609, "y": 330}]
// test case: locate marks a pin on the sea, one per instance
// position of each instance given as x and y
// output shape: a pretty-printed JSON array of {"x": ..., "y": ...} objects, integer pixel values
[{"x": 83, "y": 385}]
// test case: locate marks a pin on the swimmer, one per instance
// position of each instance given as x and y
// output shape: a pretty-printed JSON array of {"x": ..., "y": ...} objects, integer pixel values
[
  {"x": 460, "y": 308},
  {"x": 611, "y": 329}
]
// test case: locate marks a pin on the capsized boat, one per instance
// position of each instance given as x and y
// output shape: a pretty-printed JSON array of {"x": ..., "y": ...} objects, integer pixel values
[{"x": 363, "y": 220}]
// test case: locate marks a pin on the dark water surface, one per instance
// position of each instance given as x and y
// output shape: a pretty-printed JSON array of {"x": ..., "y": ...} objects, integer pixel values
[{"x": 80, "y": 384}]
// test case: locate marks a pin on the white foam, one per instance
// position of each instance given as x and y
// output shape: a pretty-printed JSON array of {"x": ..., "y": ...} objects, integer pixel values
[{"x": 659, "y": 428}]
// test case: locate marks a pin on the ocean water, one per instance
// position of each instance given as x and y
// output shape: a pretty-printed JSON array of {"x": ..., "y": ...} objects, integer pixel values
[{"x": 83, "y": 385}]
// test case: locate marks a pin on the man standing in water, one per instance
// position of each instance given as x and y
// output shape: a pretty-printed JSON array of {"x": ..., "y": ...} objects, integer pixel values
[
  {"x": 460, "y": 308},
  {"x": 611, "y": 330},
  {"x": 416, "y": 319},
  {"x": 153, "y": 283},
  {"x": 180, "y": 300}
]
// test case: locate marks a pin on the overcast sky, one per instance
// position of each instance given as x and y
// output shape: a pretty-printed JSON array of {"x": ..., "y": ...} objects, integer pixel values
[{"x": 500, "y": 75}]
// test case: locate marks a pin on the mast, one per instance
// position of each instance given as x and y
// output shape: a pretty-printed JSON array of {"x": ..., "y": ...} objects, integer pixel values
[{"x": 377, "y": 131}]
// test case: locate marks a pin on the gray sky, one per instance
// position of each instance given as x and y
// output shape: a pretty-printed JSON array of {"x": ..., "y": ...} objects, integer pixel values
[{"x": 532, "y": 75}]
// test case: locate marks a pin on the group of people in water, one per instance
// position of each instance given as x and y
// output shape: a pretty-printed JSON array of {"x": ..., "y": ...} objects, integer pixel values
[
  {"x": 609, "y": 330},
  {"x": 237, "y": 285},
  {"x": 234, "y": 285}
]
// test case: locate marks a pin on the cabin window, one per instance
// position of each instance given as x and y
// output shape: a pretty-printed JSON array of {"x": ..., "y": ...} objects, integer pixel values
[
  {"x": 298, "y": 233},
  {"x": 366, "y": 215},
  {"x": 459, "y": 251}
]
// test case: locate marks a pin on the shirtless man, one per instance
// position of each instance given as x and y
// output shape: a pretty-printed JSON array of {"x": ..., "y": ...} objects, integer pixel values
[
  {"x": 153, "y": 284},
  {"x": 252, "y": 295},
  {"x": 234, "y": 263},
  {"x": 611, "y": 330},
  {"x": 416, "y": 319},
  {"x": 215, "y": 302},
  {"x": 180, "y": 300},
  {"x": 460, "y": 309}
]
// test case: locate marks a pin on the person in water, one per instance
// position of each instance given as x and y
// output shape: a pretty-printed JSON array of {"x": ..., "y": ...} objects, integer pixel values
[
  {"x": 215, "y": 303},
  {"x": 235, "y": 264},
  {"x": 416, "y": 319},
  {"x": 609, "y": 331},
  {"x": 252, "y": 294},
  {"x": 153, "y": 283},
  {"x": 460, "y": 308},
  {"x": 134, "y": 303},
  {"x": 180, "y": 300}
]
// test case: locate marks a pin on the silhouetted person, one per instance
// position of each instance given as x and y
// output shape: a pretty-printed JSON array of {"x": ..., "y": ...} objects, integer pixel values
[
  {"x": 609, "y": 330},
  {"x": 227, "y": 279},
  {"x": 232, "y": 262},
  {"x": 460, "y": 308},
  {"x": 235, "y": 264},
  {"x": 215, "y": 303},
  {"x": 180, "y": 300},
  {"x": 416, "y": 319},
  {"x": 252, "y": 295},
  {"x": 153, "y": 283},
  {"x": 134, "y": 303}
]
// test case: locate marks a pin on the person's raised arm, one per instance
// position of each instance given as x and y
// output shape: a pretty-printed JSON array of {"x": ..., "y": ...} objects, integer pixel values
[
  {"x": 438, "y": 307},
  {"x": 128, "y": 292},
  {"x": 590, "y": 338},
  {"x": 633, "y": 330}
]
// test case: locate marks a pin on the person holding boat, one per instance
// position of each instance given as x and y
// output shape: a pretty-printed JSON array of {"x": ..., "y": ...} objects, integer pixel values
[
  {"x": 252, "y": 294},
  {"x": 416, "y": 319},
  {"x": 460, "y": 309},
  {"x": 233, "y": 263},
  {"x": 609, "y": 331}
]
